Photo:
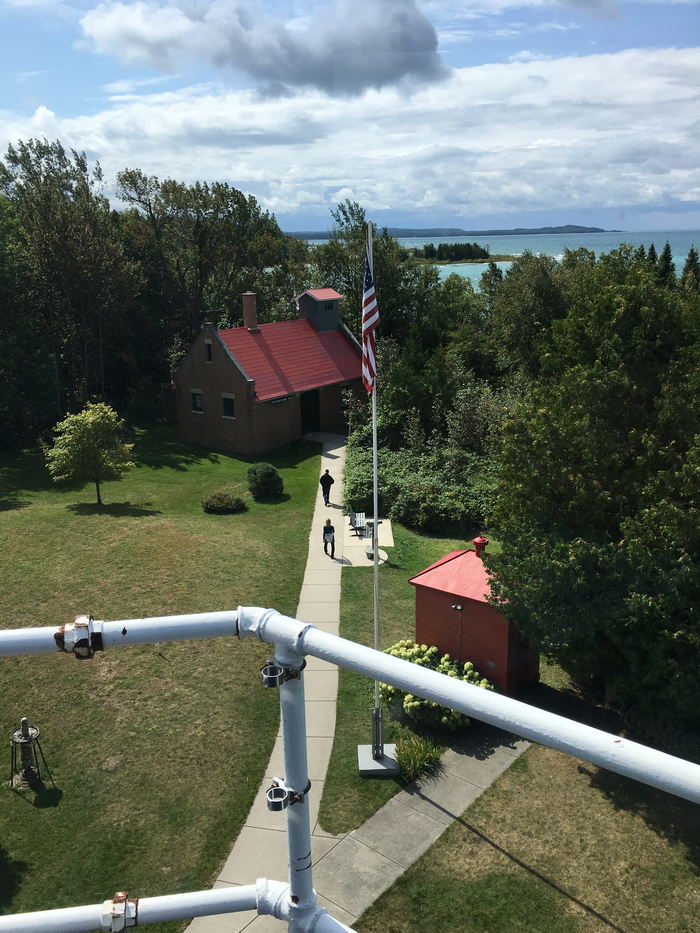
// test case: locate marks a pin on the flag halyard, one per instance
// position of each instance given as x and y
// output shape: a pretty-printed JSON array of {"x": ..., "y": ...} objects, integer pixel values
[{"x": 370, "y": 319}]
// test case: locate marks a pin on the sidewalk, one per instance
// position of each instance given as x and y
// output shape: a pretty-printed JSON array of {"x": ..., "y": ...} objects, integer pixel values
[{"x": 352, "y": 870}]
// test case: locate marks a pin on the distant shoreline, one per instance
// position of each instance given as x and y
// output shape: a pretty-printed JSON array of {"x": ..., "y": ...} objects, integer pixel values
[{"x": 404, "y": 232}]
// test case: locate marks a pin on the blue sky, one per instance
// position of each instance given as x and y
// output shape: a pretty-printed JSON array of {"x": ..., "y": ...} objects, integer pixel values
[{"x": 427, "y": 112}]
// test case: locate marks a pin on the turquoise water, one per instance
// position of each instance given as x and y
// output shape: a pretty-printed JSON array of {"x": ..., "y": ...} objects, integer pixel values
[{"x": 554, "y": 244}]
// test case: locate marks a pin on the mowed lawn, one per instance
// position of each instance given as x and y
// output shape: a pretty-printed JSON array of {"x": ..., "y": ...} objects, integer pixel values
[
  {"x": 156, "y": 756},
  {"x": 554, "y": 846}
]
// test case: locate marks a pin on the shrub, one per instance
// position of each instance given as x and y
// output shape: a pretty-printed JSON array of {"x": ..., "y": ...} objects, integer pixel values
[
  {"x": 222, "y": 503},
  {"x": 427, "y": 713},
  {"x": 416, "y": 755},
  {"x": 264, "y": 481}
]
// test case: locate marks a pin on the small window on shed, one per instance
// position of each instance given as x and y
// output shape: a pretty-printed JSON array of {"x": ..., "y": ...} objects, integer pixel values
[
  {"x": 207, "y": 344},
  {"x": 229, "y": 406},
  {"x": 197, "y": 400},
  {"x": 329, "y": 305}
]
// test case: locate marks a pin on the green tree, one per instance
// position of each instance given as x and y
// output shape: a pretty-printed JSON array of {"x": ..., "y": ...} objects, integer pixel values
[
  {"x": 691, "y": 271},
  {"x": 89, "y": 447},
  {"x": 598, "y": 492},
  {"x": 76, "y": 273},
  {"x": 523, "y": 308},
  {"x": 211, "y": 243},
  {"x": 666, "y": 271}
]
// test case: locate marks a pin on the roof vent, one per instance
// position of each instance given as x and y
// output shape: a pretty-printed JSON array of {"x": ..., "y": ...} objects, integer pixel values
[{"x": 480, "y": 543}]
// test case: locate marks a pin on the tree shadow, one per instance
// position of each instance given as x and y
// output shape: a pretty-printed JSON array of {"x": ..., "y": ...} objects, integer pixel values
[
  {"x": 673, "y": 819},
  {"x": 670, "y": 817},
  {"x": 273, "y": 500},
  {"x": 159, "y": 449},
  {"x": 115, "y": 509},
  {"x": 12, "y": 504},
  {"x": 11, "y": 872},
  {"x": 23, "y": 470}
]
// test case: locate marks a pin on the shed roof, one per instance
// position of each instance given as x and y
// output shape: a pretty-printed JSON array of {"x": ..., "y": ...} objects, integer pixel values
[
  {"x": 320, "y": 294},
  {"x": 292, "y": 356},
  {"x": 460, "y": 573}
]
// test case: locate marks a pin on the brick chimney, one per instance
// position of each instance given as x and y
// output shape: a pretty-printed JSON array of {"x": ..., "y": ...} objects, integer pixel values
[
  {"x": 480, "y": 543},
  {"x": 250, "y": 311}
]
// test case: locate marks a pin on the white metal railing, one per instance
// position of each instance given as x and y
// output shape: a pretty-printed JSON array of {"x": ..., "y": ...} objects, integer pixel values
[{"x": 295, "y": 902}]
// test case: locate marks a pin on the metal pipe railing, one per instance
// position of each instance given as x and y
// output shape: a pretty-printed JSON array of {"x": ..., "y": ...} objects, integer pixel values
[{"x": 296, "y": 904}]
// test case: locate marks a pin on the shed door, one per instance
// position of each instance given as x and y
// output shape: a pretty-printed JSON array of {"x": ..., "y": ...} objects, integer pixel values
[{"x": 310, "y": 411}]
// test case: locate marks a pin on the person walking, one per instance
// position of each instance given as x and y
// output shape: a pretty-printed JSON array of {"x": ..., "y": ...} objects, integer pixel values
[
  {"x": 329, "y": 538},
  {"x": 326, "y": 482}
]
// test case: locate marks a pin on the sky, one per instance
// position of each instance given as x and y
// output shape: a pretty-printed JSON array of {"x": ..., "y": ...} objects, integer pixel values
[{"x": 464, "y": 113}]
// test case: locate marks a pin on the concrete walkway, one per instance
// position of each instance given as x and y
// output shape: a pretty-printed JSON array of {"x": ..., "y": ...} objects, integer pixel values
[{"x": 350, "y": 871}]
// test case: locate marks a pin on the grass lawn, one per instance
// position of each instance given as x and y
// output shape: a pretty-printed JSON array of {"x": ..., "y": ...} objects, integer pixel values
[
  {"x": 157, "y": 757},
  {"x": 557, "y": 846},
  {"x": 348, "y": 799}
]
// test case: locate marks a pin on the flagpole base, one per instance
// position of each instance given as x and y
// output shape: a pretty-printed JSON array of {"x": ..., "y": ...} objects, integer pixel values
[{"x": 387, "y": 766}]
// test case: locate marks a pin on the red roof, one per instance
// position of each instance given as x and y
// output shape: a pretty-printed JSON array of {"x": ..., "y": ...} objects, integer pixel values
[
  {"x": 320, "y": 294},
  {"x": 461, "y": 573},
  {"x": 292, "y": 356}
]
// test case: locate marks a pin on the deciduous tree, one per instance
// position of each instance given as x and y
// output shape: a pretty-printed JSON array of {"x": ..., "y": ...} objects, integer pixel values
[{"x": 89, "y": 447}]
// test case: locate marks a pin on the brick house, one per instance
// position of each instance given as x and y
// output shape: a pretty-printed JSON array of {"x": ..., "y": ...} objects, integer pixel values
[
  {"x": 452, "y": 612},
  {"x": 250, "y": 389}
]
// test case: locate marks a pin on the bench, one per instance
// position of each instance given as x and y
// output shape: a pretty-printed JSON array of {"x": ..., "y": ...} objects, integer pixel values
[{"x": 358, "y": 523}]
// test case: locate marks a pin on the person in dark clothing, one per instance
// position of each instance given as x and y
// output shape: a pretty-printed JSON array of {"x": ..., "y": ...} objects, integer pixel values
[
  {"x": 329, "y": 538},
  {"x": 326, "y": 482}
]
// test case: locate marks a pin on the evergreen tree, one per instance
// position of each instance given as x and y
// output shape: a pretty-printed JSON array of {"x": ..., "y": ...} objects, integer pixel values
[
  {"x": 691, "y": 271},
  {"x": 666, "y": 271}
]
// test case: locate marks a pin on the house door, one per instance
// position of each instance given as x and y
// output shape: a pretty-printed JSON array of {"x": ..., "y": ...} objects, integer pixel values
[{"x": 310, "y": 411}]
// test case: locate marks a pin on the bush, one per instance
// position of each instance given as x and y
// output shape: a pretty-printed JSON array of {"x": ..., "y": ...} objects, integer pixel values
[
  {"x": 222, "y": 503},
  {"x": 264, "y": 481},
  {"x": 427, "y": 713},
  {"x": 421, "y": 491},
  {"x": 416, "y": 755}
]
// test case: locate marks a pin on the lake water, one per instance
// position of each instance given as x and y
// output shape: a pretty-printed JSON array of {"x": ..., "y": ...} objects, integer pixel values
[{"x": 554, "y": 244}]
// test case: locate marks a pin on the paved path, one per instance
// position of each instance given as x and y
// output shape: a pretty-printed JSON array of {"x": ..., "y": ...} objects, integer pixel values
[{"x": 350, "y": 871}]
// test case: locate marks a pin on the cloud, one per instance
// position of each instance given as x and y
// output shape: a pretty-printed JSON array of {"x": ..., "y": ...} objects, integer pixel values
[
  {"x": 345, "y": 47},
  {"x": 595, "y": 131}
]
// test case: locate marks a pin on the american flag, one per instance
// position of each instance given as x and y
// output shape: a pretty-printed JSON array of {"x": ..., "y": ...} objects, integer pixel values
[{"x": 370, "y": 319}]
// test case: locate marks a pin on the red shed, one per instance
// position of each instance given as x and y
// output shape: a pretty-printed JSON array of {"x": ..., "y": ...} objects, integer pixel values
[{"x": 452, "y": 612}]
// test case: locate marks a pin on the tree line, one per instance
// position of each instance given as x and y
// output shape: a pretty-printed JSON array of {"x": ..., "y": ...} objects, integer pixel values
[
  {"x": 452, "y": 252},
  {"x": 101, "y": 304}
]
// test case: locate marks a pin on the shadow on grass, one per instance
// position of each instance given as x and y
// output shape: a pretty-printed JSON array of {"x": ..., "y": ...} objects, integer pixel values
[
  {"x": 672, "y": 818},
  {"x": 273, "y": 500},
  {"x": 11, "y": 872},
  {"x": 159, "y": 448},
  {"x": 675, "y": 820},
  {"x": 528, "y": 868},
  {"x": 11, "y": 504},
  {"x": 115, "y": 509},
  {"x": 23, "y": 470}
]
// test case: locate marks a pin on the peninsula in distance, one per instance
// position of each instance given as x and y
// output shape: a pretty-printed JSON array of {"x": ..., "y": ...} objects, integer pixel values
[{"x": 456, "y": 231}]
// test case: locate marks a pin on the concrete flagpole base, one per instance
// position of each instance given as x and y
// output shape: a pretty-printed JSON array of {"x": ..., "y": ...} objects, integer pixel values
[{"x": 386, "y": 766}]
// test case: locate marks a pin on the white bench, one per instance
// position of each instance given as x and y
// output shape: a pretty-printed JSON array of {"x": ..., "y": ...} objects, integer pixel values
[{"x": 358, "y": 523}]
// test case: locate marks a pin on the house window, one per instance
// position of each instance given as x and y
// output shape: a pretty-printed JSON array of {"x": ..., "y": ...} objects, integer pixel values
[
  {"x": 207, "y": 344},
  {"x": 197, "y": 400},
  {"x": 229, "y": 407}
]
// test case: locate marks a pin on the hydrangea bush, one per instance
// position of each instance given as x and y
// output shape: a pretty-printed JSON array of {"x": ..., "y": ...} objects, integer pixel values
[{"x": 427, "y": 713}]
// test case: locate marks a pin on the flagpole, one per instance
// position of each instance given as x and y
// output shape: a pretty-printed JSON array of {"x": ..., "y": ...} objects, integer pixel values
[
  {"x": 377, "y": 713},
  {"x": 377, "y": 759}
]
